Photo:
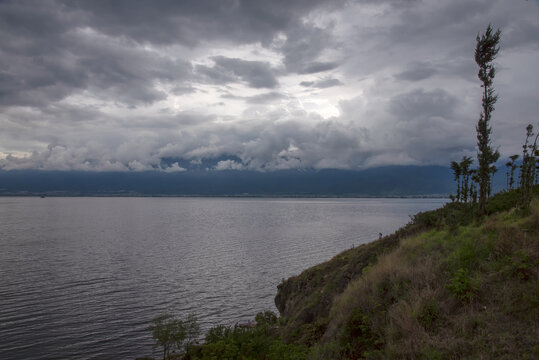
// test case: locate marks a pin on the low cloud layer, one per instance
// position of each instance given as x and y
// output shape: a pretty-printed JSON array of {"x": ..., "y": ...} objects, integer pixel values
[{"x": 257, "y": 85}]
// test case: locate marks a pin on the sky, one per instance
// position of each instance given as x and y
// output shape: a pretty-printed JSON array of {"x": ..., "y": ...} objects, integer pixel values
[{"x": 131, "y": 85}]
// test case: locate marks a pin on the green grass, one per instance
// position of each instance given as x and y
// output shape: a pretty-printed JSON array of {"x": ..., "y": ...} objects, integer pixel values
[
  {"x": 448, "y": 285},
  {"x": 469, "y": 292}
]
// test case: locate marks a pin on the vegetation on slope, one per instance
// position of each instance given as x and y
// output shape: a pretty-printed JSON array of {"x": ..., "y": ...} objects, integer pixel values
[
  {"x": 463, "y": 289},
  {"x": 448, "y": 285},
  {"x": 305, "y": 300}
]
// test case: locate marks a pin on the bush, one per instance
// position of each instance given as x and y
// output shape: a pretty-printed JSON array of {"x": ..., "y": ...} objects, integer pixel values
[
  {"x": 253, "y": 341},
  {"x": 521, "y": 266},
  {"x": 171, "y": 333},
  {"x": 428, "y": 315},
  {"x": 281, "y": 351},
  {"x": 503, "y": 201},
  {"x": 359, "y": 339},
  {"x": 220, "y": 350},
  {"x": 462, "y": 286}
]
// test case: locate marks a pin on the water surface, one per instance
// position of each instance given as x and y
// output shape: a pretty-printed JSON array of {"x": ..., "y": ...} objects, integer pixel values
[{"x": 81, "y": 278}]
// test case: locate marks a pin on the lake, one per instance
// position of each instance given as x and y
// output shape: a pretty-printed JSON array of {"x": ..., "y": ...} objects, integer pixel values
[{"x": 82, "y": 278}]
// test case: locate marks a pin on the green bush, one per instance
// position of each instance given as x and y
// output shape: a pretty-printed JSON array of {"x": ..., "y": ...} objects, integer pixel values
[
  {"x": 503, "y": 201},
  {"x": 172, "y": 333},
  {"x": 471, "y": 251},
  {"x": 281, "y": 351},
  {"x": 220, "y": 350},
  {"x": 521, "y": 266},
  {"x": 330, "y": 350},
  {"x": 252, "y": 341},
  {"x": 462, "y": 286},
  {"x": 359, "y": 339},
  {"x": 429, "y": 315}
]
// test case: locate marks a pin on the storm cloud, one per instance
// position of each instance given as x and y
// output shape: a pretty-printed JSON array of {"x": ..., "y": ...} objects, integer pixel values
[{"x": 257, "y": 85}]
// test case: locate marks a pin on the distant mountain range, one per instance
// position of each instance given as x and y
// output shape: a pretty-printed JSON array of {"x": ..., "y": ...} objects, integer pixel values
[{"x": 380, "y": 181}]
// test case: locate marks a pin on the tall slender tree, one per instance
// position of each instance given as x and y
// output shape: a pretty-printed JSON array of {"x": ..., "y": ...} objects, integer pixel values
[
  {"x": 473, "y": 189},
  {"x": 455, "y": 166},
  {"x": 512, "y": 167},
  {"x": 465, "y": 170},
  {"x": 485, "y": 52},
  {"x": 535, "y": 153},
  {"x": 508, "y": 166},
  {"x": 528, "y": 167}
]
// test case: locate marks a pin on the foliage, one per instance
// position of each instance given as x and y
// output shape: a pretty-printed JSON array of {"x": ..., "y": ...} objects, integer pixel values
[
  {"x": 445, "y": 295},
  {"x": 434, "y": 294},
  {"x": 259, "y": 340},
  {"x": 503, "y": 201},
  {"x": 462, "y": 175},
  {"x": 429, "y": 315},
  {"x": 172, "y": 333},
  {"x": 529, "y": 166},
  {"x": 359, "y": 339},
  {"x": 457, "y": 173},
  {"x": 305, "y": 300},
  {"x": 521, "y": 266},
  {"x": 485, "y": 52},
  {"x": 511, "y": 167},
  {"x": 462, "y": 286}
]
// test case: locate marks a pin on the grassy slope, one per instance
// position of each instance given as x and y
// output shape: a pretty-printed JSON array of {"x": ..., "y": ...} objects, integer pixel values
[{"x": 462, "y": 289}]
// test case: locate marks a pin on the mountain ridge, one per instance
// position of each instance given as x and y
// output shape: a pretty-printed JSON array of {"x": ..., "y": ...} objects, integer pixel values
[{"x": 392, "y": 181}]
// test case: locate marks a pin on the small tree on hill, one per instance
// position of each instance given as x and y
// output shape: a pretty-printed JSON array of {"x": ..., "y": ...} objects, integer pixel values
[
  {"x": 462, "y": 174},
  {"x": 473, "y": 188},
  {"x": 529, "y": 165},
  {"x": 455, "y": 166},
  {"x": 485, "y": 52},
  {"x": 465, "y": 164},
  {"x": 511, "y": 167},
  {"x": 171, "y": 333}
]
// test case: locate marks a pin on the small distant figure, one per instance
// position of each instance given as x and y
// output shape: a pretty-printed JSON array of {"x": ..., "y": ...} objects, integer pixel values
[{"x": 379, "y": 235}]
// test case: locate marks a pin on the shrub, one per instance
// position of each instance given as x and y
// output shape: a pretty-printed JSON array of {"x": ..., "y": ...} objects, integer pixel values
[
  {"x": 359, "y": 339},
  {"x": 220, "y": 350},
  {"x": 462, "y": 286},
  {"x": 521, "y": 266},
  {"x": 281, "y": 351},
  {"x": 428, "y": 315},
  {"x": 503, "y": 201},
  {"x": 171, "y": 333}
]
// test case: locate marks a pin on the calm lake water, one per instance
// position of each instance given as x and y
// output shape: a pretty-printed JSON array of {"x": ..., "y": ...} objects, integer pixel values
[{"x": 81, "y": 278}]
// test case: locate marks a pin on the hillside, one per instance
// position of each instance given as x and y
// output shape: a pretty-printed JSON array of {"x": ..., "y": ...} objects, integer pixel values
[
  {"x": 445, "y": 286},
  {"x": 448, "y": 285}
]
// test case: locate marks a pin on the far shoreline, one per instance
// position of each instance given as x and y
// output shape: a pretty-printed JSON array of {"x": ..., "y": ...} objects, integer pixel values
[{"x": 237, "y": 196}]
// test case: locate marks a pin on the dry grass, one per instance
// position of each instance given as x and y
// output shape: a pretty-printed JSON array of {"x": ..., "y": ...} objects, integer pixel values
[{"x": 415, "y": 314}]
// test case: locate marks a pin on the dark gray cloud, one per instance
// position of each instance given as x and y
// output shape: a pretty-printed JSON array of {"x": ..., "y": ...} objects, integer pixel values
[
  {"x": 424, "y": 104},
  {"x": 192, "y": 22},
  {"x": 417, "y": 72},
  {"x": 316, "y": 67},
  {"x": 66, "y": 60},
  {"x": 322, "y": 84},
  {"x": 51, "y": 49},
  {"x": 303, "y": 47},
  {"x": 256, "y": 74},
  {"x": 104, "y": 85}
]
